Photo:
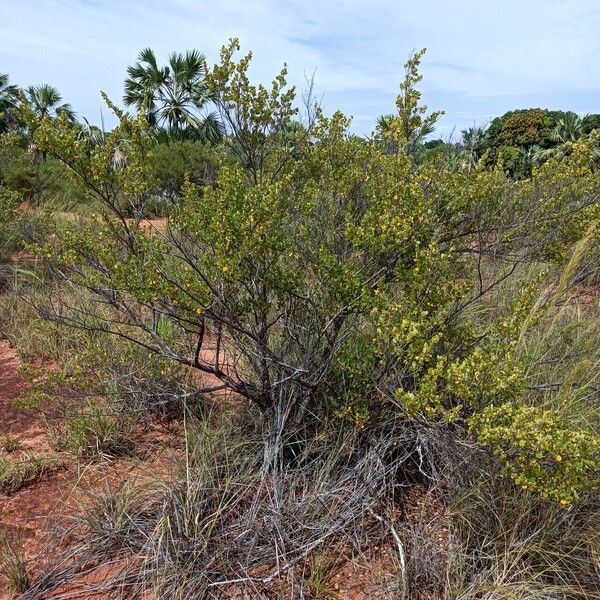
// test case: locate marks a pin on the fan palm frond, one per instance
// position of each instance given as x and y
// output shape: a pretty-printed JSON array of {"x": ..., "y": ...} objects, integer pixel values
[
  {"x": 45, "y": 100},
  {"x": 173, "y": 96}
]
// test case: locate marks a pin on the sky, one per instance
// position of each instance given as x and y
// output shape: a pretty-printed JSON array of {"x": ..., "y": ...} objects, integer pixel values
[{"x": 483, "y": 58}]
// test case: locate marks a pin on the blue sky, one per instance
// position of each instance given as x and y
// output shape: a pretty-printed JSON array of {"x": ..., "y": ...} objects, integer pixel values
[{"x": 483, "y": 58}]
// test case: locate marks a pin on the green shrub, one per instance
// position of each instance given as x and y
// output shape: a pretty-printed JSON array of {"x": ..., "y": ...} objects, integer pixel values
[
  {"x": 304, "y": 251},
  {"x": 175, "y": 161},
  {"x": 36, "y": 180},
  {"x": 524, "y": 127},
  {"x": 541, "y": 451},
  {"x": 8, "y": 205}
]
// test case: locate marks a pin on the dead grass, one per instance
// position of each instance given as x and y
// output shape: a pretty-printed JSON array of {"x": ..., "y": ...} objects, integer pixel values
[{"x": 10, "y": 443}]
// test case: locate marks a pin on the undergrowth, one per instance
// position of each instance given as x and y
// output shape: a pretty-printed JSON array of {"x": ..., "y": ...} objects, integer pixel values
[
  {"x": 13, "y": 567},
  {"x": 21, "y": 472}
]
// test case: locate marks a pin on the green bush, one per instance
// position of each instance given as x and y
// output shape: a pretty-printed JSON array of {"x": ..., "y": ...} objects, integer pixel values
[
  {"x": 8, "y": 205},
  {"x": 541, "y": 451},
  {"x": 35, "y": 179},
  {"x": 175, "y": 161},
  {"x": 524, "y": 127},
  {"x": 304, "y": 252}
]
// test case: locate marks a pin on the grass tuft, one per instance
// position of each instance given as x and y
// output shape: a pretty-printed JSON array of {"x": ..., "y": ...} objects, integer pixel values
[
  {"x": 13, "y": 567},
  {"x": 15, "y": 475},
  {"x": 10, "y": 443}
]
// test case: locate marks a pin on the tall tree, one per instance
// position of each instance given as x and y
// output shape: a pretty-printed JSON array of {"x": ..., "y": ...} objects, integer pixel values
[
  {"x": 569, "y": 127},
  {"x": 8, "y": 100},
  {"x": 386, "y": 128},
  {"x": 407, "y": 129},
  {"x": 46, "y": 101},
  {"x": 174, "y": 96},
  {"x": 472, "y": 141},
  {"x": 524, "y": 160}
]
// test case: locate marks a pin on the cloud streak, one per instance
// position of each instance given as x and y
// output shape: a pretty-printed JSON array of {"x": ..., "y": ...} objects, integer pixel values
[{"x": 482, "y": 59}]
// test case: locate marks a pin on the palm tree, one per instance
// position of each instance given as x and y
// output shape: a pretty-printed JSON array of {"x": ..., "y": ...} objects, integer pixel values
[
  {"x": 524, "y": 161},
  {"x": 94, "y": 137},
  {"x": 566, "y": 149},
  {"x": 174, "y": 95},
  {"x": 472, "y": 139},
  {"x": 8, "y": 101},
  {"x": 45, "y": 101},
  {"x": 543, "y": 154},
  {"x": 386, "y": 126},
  {"x": 568, "y": 128},
  {"x": 92, "y": 134}
]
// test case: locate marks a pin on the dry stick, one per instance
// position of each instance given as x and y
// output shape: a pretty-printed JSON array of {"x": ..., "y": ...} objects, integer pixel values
[
  {"x": 399, "y": 545},
  {"x": 278, "y": 572}
]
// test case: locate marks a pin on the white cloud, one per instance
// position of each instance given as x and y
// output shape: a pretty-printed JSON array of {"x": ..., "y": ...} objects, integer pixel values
[{"x": 483, "y": 58}]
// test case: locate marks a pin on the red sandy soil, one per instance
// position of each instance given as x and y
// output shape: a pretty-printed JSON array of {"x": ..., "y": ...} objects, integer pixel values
[
  {"x": 14, "y": 421},
  {"x": 150, "y": 225},
  {"x": 25, "y": 207},
  {"x": 25, "y": 514},
  {"x": 145, "y": 224},
  {"x": 29, "y": 515},
  {"x": 587, "y": 295}
]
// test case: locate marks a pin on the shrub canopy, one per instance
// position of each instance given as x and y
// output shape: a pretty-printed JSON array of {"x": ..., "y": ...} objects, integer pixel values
[{"x": 321, "y": 270}]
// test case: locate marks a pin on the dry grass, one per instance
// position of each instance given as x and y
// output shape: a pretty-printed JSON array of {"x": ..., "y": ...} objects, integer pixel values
[
  {"x": 13, "y": 568},
  {"x": 10, "y": 443}
]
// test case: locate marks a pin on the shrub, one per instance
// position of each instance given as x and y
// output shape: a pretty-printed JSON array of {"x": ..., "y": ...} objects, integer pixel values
[
  {"x": 540, "y": 451},
  {"x": 303, "y": 252},
  {"x": 524, "y": 127},
  {"x": 34, "y": 179},
  {"x": 176, "y": 161},
  {"x": 8, "y": 205}
]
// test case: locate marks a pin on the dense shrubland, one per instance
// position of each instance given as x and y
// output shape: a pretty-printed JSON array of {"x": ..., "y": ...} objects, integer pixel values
[{"x": 387, "y": 315}]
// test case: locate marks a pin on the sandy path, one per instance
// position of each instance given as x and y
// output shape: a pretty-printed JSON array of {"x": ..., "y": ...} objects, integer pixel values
[{"x": 14, "y": 421}]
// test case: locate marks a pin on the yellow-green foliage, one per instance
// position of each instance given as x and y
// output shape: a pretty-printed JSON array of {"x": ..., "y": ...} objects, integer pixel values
[
  {"x": 8, "y": 204},
  {"x": 335, "y": 271},
  {"x": 412, "y": 121},
  {"x": 540, "y": 450},
  {"x": 522, "y": 128}
]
